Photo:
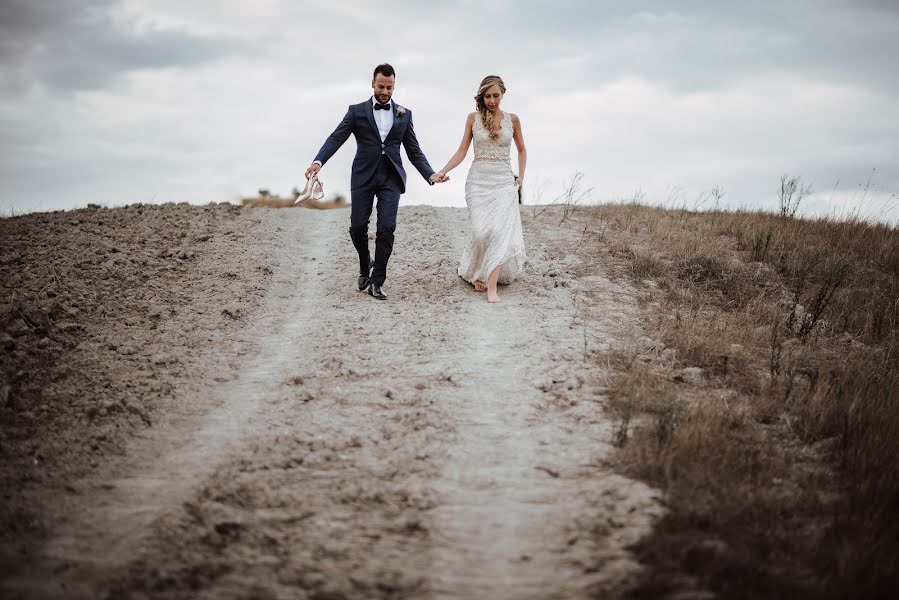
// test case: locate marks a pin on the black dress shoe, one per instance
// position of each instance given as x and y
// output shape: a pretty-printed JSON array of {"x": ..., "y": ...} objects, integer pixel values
[
  {"x": 364, "y": 282},
  {"x": 375, "y": 291}
]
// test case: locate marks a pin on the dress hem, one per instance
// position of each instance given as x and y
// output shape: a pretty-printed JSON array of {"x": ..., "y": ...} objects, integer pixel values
[{"x": 519, "y": 258}]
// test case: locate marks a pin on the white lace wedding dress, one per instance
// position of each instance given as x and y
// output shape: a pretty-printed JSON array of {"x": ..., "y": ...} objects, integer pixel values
[{"x": 496, "y": 238}]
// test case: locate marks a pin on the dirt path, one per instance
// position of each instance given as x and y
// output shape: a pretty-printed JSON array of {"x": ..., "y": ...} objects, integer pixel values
[{"x": 428, "y": 446}]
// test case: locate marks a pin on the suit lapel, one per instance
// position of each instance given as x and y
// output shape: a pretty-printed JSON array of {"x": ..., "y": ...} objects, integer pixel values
[{"x": 369, "y": 109}]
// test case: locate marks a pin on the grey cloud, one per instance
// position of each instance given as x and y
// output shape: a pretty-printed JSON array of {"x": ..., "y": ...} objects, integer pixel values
[
  {"x": 701, "y": 46},
  {"x": 545, "y": 50},
  {"x": 76, "y": 45}
]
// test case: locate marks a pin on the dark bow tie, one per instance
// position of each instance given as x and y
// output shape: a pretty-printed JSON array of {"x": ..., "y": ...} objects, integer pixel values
[{"x": 379, "y": 106}]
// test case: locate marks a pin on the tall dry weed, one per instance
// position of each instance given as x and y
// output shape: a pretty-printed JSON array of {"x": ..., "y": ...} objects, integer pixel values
[{"x": 787, "y": 445}]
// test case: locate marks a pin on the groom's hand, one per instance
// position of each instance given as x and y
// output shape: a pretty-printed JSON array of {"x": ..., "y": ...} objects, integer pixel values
[
  {"x": 439, "y": 177},
  {"x": 313, "y": 169}
]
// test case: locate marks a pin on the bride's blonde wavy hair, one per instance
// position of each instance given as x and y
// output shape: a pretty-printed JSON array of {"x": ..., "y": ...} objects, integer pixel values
[{"x": 486, "y": 115}]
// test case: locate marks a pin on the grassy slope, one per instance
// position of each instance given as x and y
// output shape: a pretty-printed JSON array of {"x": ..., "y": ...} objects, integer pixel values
[{"x": 779, "y": 462}]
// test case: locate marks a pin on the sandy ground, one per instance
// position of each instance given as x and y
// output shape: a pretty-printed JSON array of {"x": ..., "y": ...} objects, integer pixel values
[{"x": 198, "y": 403}]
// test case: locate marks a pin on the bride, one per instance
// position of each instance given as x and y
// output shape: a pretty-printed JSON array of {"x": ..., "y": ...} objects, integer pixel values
[{"x": 495, "y": 253}]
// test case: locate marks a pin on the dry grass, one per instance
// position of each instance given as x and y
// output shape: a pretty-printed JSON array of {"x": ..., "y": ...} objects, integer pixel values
[
  {"x": 780, "y": 461},
  {"x": 267, "y": 200}
]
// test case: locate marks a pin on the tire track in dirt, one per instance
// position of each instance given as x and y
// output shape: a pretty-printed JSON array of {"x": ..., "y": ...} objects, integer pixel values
[
  {"x": 522, "y": 487},
  {"x": 332, "y": 500},
  {"x": 125, "y": 499}
]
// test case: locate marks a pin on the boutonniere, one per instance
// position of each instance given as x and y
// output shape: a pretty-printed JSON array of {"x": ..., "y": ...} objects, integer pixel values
[{"x": 400, "y": 110}]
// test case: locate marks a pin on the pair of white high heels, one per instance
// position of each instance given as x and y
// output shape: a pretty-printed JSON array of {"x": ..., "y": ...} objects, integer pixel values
[{"x": 314, "y": 190}]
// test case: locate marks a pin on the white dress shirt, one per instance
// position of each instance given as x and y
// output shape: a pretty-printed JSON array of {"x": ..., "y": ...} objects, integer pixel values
[{"x": 383, "y": 118}]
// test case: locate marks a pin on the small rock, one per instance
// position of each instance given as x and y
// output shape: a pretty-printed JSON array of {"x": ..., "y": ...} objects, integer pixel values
[
  {"x": 668, "y": 355},
  {"x": 204, "y": 238},
  {"x": 689, "y": 375},
  {"x": 17, "y": 328},
  {"x": 7, "y": 342},
  {"x": 127, "y": 350},
  {"x": 600, "y": 346},
  {"x": 161, "y": 358},
  {"x": 133, "y": 407}
]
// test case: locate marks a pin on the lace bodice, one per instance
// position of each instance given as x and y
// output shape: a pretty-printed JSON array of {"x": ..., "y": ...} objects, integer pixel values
[{"x": 492, "y": 150}]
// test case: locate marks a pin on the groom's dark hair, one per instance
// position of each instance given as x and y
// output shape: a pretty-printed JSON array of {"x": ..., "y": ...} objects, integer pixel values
[{"x": 384, "y": 69}]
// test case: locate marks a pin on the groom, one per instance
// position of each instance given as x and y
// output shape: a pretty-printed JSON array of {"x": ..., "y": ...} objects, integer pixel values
[{"x": 380, "y": 126}]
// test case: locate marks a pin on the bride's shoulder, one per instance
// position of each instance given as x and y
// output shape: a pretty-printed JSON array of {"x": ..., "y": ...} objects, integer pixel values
[{"x": 516, "y": 122}]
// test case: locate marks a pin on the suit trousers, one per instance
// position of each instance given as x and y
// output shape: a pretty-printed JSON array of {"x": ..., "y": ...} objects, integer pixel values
[{"x": 386, "y": 185}]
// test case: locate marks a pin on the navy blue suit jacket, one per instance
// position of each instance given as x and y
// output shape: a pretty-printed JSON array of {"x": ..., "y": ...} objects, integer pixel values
[{"x": 360, "y": 121}]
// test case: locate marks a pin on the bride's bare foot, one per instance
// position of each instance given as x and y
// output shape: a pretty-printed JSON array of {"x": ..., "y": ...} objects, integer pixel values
[
  {"x": 479, "y": 286},
  {"x": 492, "y": 296}
]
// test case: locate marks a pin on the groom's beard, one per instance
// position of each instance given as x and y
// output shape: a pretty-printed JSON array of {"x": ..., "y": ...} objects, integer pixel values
[{"x": 383, "y": 99}]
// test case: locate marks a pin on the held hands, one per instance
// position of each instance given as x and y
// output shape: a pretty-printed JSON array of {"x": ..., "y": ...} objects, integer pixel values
[
  {"x": 437, "y": 177},
  {"x": 313, "y": 169}
]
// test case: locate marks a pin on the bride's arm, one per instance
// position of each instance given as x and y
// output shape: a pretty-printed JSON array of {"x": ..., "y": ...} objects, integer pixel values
[
  {"x": 459, "y": 156},
  {"x": 519, "y": 144}
]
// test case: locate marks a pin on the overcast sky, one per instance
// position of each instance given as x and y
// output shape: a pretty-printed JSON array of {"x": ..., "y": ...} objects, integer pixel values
[{"x": 117, "y": 102}]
